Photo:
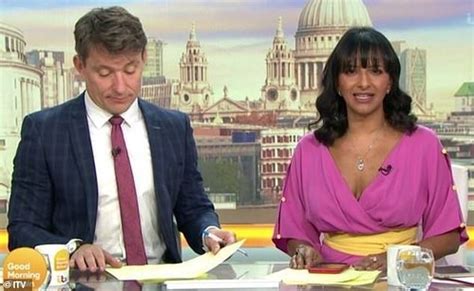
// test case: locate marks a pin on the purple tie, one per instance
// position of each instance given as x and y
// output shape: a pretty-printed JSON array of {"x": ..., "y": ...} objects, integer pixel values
[{"x": 132, "y": 232}]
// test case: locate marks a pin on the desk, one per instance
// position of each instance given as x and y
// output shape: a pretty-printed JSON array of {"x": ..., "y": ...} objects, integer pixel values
[{"x": 257, "y": 270}]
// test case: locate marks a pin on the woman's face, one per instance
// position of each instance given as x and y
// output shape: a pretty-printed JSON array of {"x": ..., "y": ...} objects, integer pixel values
[{"x": 364, "y": 89}]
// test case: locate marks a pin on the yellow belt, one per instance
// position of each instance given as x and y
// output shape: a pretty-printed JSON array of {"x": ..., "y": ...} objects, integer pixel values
[{"x": 367, "y": 244}]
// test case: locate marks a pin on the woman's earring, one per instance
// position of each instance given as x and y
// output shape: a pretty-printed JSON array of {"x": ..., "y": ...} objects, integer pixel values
[{"x": 339, "y": 93}]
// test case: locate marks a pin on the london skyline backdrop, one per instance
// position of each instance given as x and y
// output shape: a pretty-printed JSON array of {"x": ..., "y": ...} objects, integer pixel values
[{"x": 236, "y": 35}]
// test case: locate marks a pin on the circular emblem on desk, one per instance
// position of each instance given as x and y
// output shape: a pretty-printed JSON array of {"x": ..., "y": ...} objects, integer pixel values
[{"x": 24, "y": 268}]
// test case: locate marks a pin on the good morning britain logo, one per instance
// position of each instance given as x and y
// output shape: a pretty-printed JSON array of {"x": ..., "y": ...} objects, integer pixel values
[{"x": 30, "y": 269}]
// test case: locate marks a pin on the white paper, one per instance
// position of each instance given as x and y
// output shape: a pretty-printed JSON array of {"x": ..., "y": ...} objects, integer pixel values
[
  {"x": 349, "y": 277},
  {"x": 186, "y": 270}
]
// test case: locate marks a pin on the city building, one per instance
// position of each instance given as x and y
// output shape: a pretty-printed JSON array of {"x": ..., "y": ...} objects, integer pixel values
[
  {"x": 293, "y": 76},
  {"x": 20, "y": 95},
  {"x": 155, "y": 87},
  {"x": 194, "y": 92},
  {"x": 321, "y": 24},
  {"x": 78, "y": 84},
  {"x": 413, "y": 78},
  {"x": 154, "y": 63},
  {"x": 464, "y": 99},
  {"x": 158, "y": 90},
  {"x": 280, "y": 90},
  {"x": 232, "y": 153},
  {"x": 457, "y": 132},
  {"x": 277, "y": 145},
  {"x": 57, "y": 81}
]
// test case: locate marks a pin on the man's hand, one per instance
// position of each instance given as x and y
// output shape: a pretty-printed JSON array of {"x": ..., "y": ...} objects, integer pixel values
[
  {"x": 92, "y": 258},
  {"x": 218, "y": 238}
]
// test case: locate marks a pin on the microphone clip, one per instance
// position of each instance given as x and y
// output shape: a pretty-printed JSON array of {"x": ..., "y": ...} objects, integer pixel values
[
  {"x": 116, "y": 151},
  {"x": 385, "y": 171}
]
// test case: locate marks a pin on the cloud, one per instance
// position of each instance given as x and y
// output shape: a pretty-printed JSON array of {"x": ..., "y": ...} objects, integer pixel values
[
  {"x": 166, "y": 20},
  {"x": 244, "y": 29},
  {"x": 409, "y": 13}
]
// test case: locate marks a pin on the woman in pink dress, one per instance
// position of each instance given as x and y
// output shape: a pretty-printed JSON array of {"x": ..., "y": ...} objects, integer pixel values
[{"x": 368, "y": 176}]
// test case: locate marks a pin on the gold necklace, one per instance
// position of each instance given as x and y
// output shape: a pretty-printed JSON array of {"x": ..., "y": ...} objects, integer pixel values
[{"x": 361, "y": 159}]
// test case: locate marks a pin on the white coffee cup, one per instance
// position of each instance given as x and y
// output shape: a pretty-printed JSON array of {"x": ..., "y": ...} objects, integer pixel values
[
  {"x": 392, "y": 251},
  {"x": 57, "y": 260}
]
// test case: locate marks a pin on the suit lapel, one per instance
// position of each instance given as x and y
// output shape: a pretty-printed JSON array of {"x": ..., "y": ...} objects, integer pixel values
[
  {"x": 84, "y": 157},
  {"x": 156, "y": 135}
]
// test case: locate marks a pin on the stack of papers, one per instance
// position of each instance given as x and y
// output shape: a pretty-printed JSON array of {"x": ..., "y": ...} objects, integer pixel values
[
  {"x": 190, "y": 269},
  {"x": 349, "y": 277}
]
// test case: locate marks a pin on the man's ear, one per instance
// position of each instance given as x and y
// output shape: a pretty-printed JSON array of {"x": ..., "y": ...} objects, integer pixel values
[{"x": 78, "y": 64}]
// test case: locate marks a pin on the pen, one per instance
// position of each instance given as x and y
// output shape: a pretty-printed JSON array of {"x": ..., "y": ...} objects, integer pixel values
[{"x": 221, "y": 241}]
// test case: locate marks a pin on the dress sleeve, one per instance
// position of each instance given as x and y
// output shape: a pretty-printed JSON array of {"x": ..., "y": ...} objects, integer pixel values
[
  {"x": 291, "y": 222},
  {"x": 443, "y": 213}
]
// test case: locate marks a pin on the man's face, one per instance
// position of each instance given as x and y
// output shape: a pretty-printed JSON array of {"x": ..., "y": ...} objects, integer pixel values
[{"x": 113, "y": 81}]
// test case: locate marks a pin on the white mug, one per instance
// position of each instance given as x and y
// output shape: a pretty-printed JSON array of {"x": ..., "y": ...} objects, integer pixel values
[
  {"x": 392, "y": 251},
  {"x": 57, "y": 260}
]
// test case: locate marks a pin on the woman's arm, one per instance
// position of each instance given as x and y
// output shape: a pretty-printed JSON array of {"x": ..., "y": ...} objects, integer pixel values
[{"x": 442, "y": 245}]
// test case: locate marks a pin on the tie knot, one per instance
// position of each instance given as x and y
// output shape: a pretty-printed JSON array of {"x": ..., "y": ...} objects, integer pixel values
[{"x": 116, "y": 120}]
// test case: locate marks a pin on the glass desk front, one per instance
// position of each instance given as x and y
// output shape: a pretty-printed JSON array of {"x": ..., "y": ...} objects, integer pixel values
[{"x": 234, "y": 271}]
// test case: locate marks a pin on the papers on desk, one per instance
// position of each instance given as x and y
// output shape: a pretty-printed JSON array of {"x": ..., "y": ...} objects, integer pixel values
[
  {"x": 350, "y": 277},
  {"x": 190, "y": 269}
]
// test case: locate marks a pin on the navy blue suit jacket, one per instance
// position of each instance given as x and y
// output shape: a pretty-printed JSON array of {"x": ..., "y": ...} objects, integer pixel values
[{"x": 54, "y": 187}]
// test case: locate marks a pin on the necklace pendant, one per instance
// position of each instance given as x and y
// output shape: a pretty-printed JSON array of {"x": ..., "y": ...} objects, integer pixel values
[{"x": 360, "y": 164}]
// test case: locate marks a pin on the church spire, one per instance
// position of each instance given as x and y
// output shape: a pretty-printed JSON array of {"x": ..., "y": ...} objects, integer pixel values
[
  {"x": 280, "y": 91},
  {"x": 195, "y": 91},
  {"x": 192, "y": 34},
  {"x": 279, "y": 31}
]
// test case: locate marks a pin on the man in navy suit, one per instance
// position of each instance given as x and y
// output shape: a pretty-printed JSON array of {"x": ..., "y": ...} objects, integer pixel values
[{"x": 64, "y": 187}]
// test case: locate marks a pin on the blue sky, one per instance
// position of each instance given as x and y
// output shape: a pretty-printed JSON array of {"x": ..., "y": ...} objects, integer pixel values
[{"x": 244, "y": 29}]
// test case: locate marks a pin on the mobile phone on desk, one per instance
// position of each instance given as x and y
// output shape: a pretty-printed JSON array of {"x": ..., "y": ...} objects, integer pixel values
[
  {"x": 328, "y": 268},
  {"x": 454, "y": 271}
]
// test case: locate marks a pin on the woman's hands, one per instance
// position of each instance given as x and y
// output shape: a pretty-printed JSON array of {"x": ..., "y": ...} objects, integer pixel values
[
  {"x": 303, "y": 255},
  {"x": 372, "y": 262}
]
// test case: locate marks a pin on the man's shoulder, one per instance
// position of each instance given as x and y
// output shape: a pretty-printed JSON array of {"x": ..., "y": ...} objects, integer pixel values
[
  {"x": 57, "y": 112},
  {"x": 163, "y": 113}
]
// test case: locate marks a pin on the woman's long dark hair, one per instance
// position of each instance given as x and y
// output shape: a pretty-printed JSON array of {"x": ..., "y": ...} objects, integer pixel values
[{"x": 365, "y": 46}]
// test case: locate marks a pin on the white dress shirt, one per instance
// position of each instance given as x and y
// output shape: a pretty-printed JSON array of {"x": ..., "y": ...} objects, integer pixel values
[{"x": 108, "y": 232}]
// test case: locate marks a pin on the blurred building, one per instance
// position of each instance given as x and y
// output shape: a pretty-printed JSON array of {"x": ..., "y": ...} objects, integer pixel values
[
  {"x": 457, "y": 132},
  {"x": 20, "y": 95},
  {"x": 158, "y": 90},
  {"x": 194, "y": 92},
  {"x": 154, "y": 62},
  {"x": 281, "y": 89},
  {"x": 229, "y": 159},
  {"x": 278, "y": 145},
  {"x": 78, "y": 83},
  {"x": 293, "y": 76},
  {"x": 57, "y": 83},
  {"x": 413, "y": 77},
  {"x": 464, "y": 99}
]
